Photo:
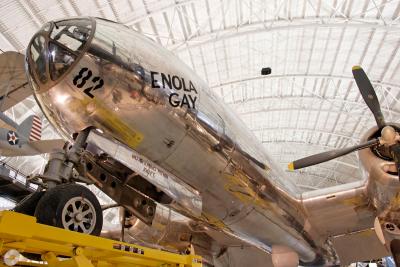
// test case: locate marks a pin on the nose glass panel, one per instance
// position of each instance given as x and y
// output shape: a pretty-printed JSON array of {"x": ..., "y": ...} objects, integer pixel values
[
  {"x": 56, "y": 47},
  {"x": 72, "y": 34},
  {"x": 38, "y": 55},
  {"x": 60, "y": 60}
]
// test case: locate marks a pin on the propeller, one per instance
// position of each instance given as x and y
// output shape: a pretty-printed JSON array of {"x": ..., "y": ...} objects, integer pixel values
[
  {"x": 389, "y": 136},
  {"x": 369, "y": 95},
  {"x": 328, "y": 155}
]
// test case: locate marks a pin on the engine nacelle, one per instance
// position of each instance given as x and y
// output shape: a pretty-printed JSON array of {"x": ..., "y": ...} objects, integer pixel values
[
  {"x": 382, "y": 187},
  {"x": 383, "y": 180}
]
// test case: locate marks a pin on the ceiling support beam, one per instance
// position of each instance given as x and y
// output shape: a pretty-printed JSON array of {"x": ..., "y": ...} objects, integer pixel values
[
  {"x": 301, "y": 75},
  {"x": 281, "y": 24}
]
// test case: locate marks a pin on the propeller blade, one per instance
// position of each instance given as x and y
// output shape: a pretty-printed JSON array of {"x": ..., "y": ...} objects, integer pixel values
[
  {"x": 368, "y": 93},
  {"x": 328, "y": 155}
]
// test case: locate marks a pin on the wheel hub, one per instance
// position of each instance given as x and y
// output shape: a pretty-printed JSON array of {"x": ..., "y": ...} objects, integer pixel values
[{"x": 79, "y": 215}]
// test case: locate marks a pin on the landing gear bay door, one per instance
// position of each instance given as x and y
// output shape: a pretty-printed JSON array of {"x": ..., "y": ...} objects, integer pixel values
[{"x": 182, "y": 194}]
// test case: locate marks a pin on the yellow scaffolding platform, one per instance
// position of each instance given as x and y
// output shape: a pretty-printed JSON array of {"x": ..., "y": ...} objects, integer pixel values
[{"x": 63, "y": 248}]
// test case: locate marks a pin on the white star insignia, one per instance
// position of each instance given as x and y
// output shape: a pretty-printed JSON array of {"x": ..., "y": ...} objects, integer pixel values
[{"x": 12, "y": 138}]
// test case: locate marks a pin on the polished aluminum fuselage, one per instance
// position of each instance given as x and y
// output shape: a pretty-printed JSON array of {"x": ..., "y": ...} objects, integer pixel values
[{"x": 154, "y": 104}]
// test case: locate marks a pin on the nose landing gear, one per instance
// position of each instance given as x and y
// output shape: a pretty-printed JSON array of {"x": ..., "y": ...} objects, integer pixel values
[{"x": 65, "y": 204}]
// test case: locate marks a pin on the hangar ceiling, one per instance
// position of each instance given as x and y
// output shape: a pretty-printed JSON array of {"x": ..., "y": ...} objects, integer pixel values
[{"x": 308, "y": 104}]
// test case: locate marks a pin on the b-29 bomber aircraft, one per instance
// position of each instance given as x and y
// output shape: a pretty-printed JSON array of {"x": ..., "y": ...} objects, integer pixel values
[{"x": 147, "y": 131}]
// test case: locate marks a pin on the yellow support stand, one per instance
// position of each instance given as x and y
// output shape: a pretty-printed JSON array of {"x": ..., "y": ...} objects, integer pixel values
[{"x": 63, "y": 248}]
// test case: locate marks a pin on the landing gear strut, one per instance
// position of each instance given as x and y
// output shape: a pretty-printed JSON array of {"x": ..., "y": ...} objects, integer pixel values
[{"x": 65, "y": 204}]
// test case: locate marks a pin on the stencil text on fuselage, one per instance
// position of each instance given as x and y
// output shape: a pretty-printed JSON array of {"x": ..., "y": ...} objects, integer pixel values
[{"x": 184, "y": 95}]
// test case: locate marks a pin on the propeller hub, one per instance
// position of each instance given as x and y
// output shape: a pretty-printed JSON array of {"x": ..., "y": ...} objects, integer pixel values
[{"x": 389, "y": 136}]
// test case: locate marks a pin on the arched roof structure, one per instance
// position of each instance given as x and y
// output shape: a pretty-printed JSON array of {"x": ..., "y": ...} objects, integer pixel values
[{"x": 308, "y": 104}]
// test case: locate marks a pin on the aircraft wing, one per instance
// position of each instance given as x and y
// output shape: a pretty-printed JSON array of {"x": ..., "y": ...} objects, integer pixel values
[
  {"x": 344, "y": 215},
  {"x": 5, "y": 125},
  {"x": 14, "y": 85},
  {"x": 33, "y": 148}
]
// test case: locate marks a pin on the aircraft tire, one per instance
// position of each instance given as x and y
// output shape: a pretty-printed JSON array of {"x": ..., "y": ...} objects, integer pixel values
[
  {"x": 71, "y": 206},
  {"x": 28, "y": 204}
]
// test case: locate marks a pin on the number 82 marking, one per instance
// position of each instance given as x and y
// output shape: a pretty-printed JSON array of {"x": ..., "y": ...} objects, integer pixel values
[{"x": 83, "y": 76}]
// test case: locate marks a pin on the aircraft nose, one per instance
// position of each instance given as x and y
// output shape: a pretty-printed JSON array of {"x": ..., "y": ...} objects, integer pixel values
[{"x": 55, "y": 48}]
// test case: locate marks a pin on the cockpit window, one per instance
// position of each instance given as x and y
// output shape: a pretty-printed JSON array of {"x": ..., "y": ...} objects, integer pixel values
[
  {"x": 38, "y": 55},
  {"x": 60, "y": 60},
  {"x": 55, "y": 49},
  {"x": 71, "y": 33}
]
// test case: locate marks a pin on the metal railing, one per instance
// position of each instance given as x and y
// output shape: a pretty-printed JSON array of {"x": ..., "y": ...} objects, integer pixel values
[{"x": 16, "y": 176}]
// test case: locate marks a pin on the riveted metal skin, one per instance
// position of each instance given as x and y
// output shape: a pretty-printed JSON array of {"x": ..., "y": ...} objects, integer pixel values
[
  {"x": 200, "y": 141},
  {"x": 144, "y": 99}
]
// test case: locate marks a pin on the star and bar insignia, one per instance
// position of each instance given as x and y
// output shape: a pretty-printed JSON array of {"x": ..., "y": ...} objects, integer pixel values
[{"x": 12, "y": 138}]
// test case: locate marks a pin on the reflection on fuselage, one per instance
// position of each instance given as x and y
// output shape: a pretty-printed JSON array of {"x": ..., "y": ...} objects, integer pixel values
[{"x": 142, "y": 95}]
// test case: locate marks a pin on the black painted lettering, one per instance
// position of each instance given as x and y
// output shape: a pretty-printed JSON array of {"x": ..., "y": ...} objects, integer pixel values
[
  {"x": 191, "y": 86},
  {"x": 96, "y": 82},
  {"x": 185, "y": 101},
  {"x": 176, "y": 82},
  {"x": 174, "y": 102},
  {"x": 153, "y": 80},
  {"x": 193, "y": 101},
  {"x": 166, "y": 80},
  {"x": 184, "y": 86}
]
